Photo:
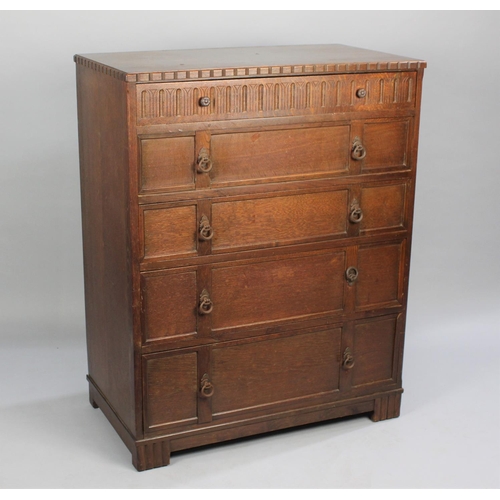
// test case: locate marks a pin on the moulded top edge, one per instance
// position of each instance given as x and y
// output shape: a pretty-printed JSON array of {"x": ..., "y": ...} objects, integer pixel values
[{"x": 245, "y": 62}]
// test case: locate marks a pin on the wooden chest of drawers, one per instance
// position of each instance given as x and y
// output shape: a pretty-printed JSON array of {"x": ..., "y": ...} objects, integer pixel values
[{"x": 247, "y": 220}]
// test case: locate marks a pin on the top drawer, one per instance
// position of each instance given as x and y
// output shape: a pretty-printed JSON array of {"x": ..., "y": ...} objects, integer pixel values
[{"x": 159, "y": 103}]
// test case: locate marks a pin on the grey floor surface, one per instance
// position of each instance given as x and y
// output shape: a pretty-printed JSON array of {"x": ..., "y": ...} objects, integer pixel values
[{"x": 448, "y": 435}]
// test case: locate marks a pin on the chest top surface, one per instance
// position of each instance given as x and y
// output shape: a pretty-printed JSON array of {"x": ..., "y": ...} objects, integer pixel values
[{"x": 244, "y": 62}]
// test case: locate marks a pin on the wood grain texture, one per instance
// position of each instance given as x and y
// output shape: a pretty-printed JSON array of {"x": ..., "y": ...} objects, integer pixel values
[
  {"x": 171, "y": 388},
  {"x": 195, "y": 339},
  {"x": 244, "y": 62},
  {"x": 159, "y": 103},
  {"x": 279, "y": 155},
  {"x": 169, "y": 305},
  {"x": 274, "y": 290},
  {"x": 373, "y": 351},
  {"x": 102, "y": 117},
  {"x": 279, "y": 220},
  {"x": 273, "y": 371},
  {"x": 169, "y": 231},
  {"x": 379, "y": 269},
  {"x": 387, "y": 407},
  {"x": 383, "y": 207},
  {"x": 386, "y": 144},
  {"x": 167, "y": 164}
]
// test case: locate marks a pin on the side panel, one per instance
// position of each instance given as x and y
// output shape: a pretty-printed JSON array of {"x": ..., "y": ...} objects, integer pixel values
[{"x": 104, "y": 161}]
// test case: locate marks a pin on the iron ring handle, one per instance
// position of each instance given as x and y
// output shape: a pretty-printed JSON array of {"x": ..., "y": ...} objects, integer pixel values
[
  {"x": 206, "y": 233},
  {"x": 356, "y": 215},
  {"x": 206, "y": 306},
  {"x": 358, "y": 151},
  {"x": 207, "y": 389},
  {"x": 348, "y": 361},
  {"x": 351, "y": 275},
  {"x": 204, "y": 162}
]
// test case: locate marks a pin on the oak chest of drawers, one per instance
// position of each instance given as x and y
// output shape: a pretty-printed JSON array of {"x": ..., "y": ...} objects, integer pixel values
[{"x": 247, "y": 219}]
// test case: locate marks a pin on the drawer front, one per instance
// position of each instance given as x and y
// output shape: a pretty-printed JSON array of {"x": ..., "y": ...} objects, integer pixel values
[
  {"x": 386, "y": 145},
  {"x": 375, "y": 349},
  {"x": 260, "y": 293},
  {"x": 267, "y": 156},
  {"x": 251, "y": 297},
  {"x": 379, "y": 281},
  {"x": 169, "y": 231},
  {"x": 159, "y": 103},
  {"x": 188, "y": 387},
  {"x": 278, "y": 155},
  {"x": 281, "y": 220},
  {"x": 167, "y": 164},
  {"x": 169, "y": 305},
  {"x": 383, "y": 207},
  {"x": 231, "y": 225},
  {"x": 170, "y": 390},
  {"x": 242, "y": 298},
  {"x": 258, "y": 374}
]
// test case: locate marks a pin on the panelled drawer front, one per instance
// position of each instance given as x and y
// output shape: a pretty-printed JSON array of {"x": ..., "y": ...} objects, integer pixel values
[
  {"x": 273, "y": 221},
  {"x": 254, "y": 375},
  {"x": 229, "y": 380},
  {"x": 169, "y": 231},
  {"x": 383, "y": 207},
  {"x": 257, "y": 295},
  {"x": 169, "y": 305},
  {"x": 277, "y": 155},
  {"x": 374, "y": 351},
  {"x": 173, "y": 230},
  {"x": 246, "y": 295},
  {"x": 386, "y": 145},
  {"x": 380, "y": 272},
  {"x": 167, "y": 164},
  {"x": 159, "y": 103},
  {"x": 274, "y": 155},
  {"x": 170, "y": 389}
]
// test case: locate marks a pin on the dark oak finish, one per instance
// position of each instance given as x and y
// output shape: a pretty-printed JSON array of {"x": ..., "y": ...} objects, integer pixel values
[
  {"x": 252, "y": 375},
  {"x": 247, "y": 219},
  {"x": 167, "y": 163},
  {"x": 279, "y": 154},
  {"x": 272, "y": 290},
  {"x": 279, "y": 220},
  {"x": 102, "y": 117}
]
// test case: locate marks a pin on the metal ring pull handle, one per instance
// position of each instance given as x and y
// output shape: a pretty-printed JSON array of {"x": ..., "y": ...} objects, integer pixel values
[
  {"x": 348, "y": 359},
  {"x": 206, "y": 388},
  {"x": 206, "y": 305},
  {"x": 204, "y": 162},
  {"x": 351, "y": 275},
  {"x": 358, "y": 151},
  {"x": 206, "y": 232},
  {"x": 356, "y": 215}
]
